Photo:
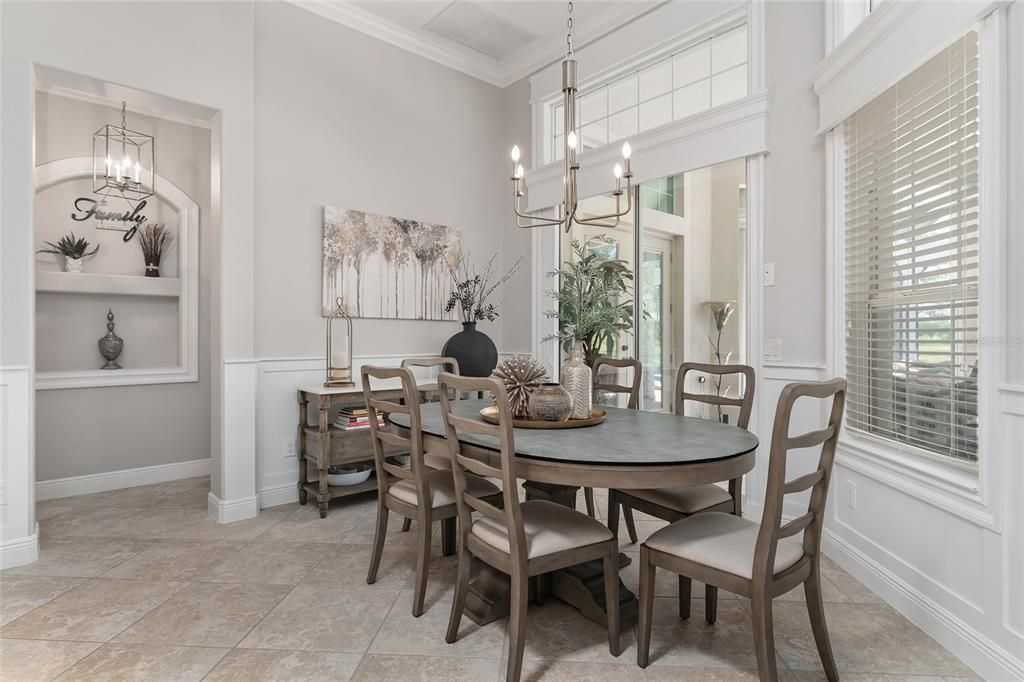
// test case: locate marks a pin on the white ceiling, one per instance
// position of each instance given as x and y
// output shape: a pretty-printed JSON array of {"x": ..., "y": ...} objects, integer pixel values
[{"x": 497, "y": 41}]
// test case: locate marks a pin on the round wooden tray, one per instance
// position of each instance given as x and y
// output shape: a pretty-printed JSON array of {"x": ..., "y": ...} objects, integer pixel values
[{"x": 597, "y": 415}]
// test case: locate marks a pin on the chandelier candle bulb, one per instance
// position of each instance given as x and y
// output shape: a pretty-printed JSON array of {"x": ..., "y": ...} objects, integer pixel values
[
  {"x": 571, "y": 139},
  {"x": 515, "y": 154}
]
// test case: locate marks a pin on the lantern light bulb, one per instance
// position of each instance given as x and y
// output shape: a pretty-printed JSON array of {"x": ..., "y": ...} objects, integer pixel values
[
  {"x": 515, "y": 153},
  {"x": 626, "y": 150},
  {"x": 617, "y": 171},
  {"x": 519, "y": 172},
  {"x": 571, "y": 139}
]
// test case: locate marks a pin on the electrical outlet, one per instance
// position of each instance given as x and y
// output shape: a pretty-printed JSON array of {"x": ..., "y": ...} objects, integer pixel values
[
  {"x": 289, "y": 447},
  {"x": 851, "y": 494},
  {"x": 769, "y": 274},
  {"x": 773, "y": 350}
]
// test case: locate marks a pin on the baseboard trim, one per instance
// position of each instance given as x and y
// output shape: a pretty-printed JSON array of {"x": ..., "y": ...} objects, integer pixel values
[
  {"x": 278, "y": 495},
  {"x": 19, "y": 551},
  {"x": 988, "y": 659},
  {"x": 115, "y": 480},
  {"x": 229, "y": 511}
]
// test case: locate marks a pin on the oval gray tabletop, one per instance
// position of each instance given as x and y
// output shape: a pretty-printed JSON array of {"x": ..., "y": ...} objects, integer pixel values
[{"x": 625, "y": 438}]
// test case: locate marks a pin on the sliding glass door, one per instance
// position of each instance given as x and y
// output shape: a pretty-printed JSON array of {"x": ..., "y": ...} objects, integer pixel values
[{"x": 682, "y": 246}]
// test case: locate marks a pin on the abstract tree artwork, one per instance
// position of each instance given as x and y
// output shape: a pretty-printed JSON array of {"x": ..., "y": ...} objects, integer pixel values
[{"x": 384, "y": 267}]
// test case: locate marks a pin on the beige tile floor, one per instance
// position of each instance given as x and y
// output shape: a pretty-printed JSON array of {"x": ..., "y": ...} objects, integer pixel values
[{"x": 140, "y": 584}]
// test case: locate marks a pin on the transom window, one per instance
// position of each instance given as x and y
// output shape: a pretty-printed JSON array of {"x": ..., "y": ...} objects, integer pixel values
[
  {"x": 712, "y": 72},
  {"x": 912, "y": 258}
]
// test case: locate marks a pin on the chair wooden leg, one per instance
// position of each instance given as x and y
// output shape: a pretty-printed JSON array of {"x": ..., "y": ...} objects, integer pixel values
[
  {"x": 540, "y": 589},
  {"x": 816, "y": 612},
  {"x": 461, "y": 589},
  {"x": 406, "y": 524},
  {"x": 646, "y": 606},
  {"x": 764, "y": 637},
  {"x": 710, "y": 603},
  {"x": 611, "y": 597},
  {"x": 378, "y": 542},
  {"x": 422, "y": 564},
  {"x": 517, "y": 624},
  {"x": 627, "y": 514},
  {"x": 588, "y": 497},
  {"x": 613, "y": 513},
  {"x": 684, "y": 596}
]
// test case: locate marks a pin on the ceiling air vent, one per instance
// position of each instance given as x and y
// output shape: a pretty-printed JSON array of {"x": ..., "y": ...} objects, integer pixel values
[{"x": 469, "y": 24}]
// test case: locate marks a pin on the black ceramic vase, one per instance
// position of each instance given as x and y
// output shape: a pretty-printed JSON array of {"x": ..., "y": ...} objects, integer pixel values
[{"x": 474, "y": 350}]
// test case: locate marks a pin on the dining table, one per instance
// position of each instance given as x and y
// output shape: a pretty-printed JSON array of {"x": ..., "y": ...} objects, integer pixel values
[{"x": 629, "y": 449}]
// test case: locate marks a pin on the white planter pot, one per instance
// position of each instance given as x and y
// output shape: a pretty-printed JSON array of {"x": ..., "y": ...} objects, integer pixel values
[{"x": 73, "y": 264}]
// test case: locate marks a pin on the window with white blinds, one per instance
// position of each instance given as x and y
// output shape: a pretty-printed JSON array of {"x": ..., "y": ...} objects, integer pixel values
[{"x": 912, "y": 258}]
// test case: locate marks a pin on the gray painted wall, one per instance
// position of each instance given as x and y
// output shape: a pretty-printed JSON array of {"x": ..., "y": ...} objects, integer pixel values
[
  {"x": 347, "y": 120},
  {"x": 96, "y": 430}
]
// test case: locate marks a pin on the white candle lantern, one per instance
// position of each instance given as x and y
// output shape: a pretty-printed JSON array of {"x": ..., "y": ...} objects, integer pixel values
[{"x": 339, "y": 348}]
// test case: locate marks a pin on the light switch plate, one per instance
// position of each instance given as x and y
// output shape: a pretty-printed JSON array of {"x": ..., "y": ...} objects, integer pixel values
[
  {"x": 769, "y": 274},
  {"x": 851, "y": 494},
  {"x": 773, "y": 350},
  {"x": 289, "y": 447}
]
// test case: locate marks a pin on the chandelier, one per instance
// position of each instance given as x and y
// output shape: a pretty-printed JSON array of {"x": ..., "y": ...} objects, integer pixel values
[
  {"x": 567, "y": 214},
  {"x": 122, "y": 162}
]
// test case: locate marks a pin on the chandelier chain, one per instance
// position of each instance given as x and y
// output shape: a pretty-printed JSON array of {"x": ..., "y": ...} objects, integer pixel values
[{"x": 568, "y": 35}]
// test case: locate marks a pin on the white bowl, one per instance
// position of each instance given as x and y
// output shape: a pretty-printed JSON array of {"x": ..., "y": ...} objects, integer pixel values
[{"x": 349, "y": 475}]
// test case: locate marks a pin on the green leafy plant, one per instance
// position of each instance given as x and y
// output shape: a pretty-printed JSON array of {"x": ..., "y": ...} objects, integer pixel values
[
  {"x": 594, "y": 296},
  {"x": 154, "y": 241},
  {"x": 70, "y": 246}
]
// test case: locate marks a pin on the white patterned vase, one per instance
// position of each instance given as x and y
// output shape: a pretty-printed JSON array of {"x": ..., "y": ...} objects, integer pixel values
[{"x": 576, "y": 378}]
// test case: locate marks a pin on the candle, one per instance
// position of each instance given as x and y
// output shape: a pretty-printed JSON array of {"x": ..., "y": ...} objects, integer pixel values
[
  {"x": 138, "y": 172},
  {"x": 108, "y": 165}
]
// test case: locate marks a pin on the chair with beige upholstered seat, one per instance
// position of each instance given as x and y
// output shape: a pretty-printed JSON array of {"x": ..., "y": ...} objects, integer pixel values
[
  {"x": 522, "y": 539},
  {"x": 403, "y": 491},
  {"x": 600, "y": 385},
  {"x": 759, "y": 561},
  {"x": 671, "y": 504}
]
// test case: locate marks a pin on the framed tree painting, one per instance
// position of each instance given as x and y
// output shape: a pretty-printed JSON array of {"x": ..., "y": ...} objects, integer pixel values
[{"x": 385, "y": 267}]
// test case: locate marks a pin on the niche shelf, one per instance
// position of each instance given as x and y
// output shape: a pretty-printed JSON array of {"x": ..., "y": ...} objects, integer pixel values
[{"x": 95, "y": 283}]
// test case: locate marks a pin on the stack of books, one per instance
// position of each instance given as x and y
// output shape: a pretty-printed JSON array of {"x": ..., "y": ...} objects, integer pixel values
[{"x": 352, "y": 418}]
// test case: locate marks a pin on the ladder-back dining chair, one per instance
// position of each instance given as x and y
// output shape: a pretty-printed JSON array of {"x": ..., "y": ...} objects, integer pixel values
[
  {"x": 758, "y": 561},
  {"x": 443, "y": 364},
  {"x": 521, "y": 539},
  {"x": 632, "y": 402},
  {"x": 420, "y": 492},
  {"x": 671, "y": 504}
]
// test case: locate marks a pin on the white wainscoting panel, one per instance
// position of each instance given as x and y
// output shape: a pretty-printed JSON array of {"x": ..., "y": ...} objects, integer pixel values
[{"x": 18, "y": 531}]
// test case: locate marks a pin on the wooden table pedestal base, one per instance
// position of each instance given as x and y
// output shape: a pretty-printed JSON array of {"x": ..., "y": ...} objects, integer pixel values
[{"x": 581, "y": 586}]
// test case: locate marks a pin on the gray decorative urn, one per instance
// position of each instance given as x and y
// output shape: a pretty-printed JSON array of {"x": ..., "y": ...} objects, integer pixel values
[
  {"x": 577, "y": 378},
  {"x": 110, "y": 344}
]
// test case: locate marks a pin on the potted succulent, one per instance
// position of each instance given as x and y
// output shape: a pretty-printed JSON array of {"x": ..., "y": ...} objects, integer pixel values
[
  {"x": 154, "y": 240},
  {"x": 74, "y": 249}
]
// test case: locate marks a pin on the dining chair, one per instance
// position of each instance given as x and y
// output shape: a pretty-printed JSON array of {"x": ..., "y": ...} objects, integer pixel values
[
  {"x": 420, "y": 492},
  {"x": 632, "y": 403},
  {"x": 521, "y": 539},
  {"x": 758, "y": 561},
  {"x": 444, "y": 364},
  {"x": 672, "y": 504}
]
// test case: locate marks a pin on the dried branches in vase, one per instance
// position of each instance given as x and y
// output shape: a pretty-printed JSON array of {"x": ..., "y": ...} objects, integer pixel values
[
  {"x": 472, "y": 289},
  {"x": 521, "y": 375},
  {"x": 154, "y": 240}
]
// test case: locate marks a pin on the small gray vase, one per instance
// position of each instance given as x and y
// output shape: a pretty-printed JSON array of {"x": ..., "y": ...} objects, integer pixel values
[{"x": 111, "y": 344}]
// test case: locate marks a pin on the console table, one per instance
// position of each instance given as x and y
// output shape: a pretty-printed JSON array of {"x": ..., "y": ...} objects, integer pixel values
[{"x": 323, "y": 444}]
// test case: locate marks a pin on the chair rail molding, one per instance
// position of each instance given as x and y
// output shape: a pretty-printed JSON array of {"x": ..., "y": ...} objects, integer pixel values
[{"x": 187, "y": 246}]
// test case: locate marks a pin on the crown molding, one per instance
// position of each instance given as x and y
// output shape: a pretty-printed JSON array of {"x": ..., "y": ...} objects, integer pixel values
[{"x": 466, "y": 60}]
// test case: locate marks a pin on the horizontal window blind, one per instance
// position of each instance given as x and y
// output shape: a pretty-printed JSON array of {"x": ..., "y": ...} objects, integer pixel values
[{"x": 912, "y": 258}]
